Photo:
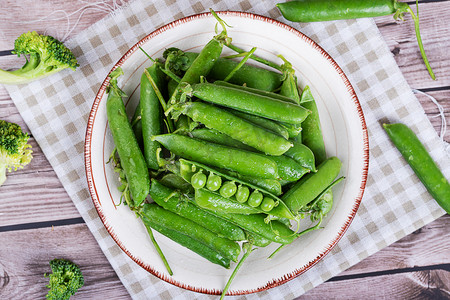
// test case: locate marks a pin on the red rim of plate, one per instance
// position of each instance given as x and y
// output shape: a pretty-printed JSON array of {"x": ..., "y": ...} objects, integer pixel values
[{"x": 274, "y": 282}]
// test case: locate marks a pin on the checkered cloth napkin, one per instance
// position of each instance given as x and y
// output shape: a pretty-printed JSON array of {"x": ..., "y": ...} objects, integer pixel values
[{"x": 395, "y": 203}]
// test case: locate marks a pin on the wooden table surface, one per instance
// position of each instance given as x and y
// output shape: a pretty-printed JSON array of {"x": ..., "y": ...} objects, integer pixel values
[{"x": 38, "y": 221}]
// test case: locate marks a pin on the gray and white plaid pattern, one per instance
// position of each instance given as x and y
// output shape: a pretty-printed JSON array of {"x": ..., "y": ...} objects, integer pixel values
[{"x": 56, "y": 110}]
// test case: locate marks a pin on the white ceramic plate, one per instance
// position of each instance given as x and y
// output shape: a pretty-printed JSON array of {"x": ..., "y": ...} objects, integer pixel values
[{"x": 344, "y": 133}]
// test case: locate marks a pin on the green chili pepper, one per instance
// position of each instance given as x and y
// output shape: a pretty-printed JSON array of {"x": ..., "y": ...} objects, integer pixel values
[
  {"x": 325, "y": 10},
  {"x": 421, "y": 162},
  {"x": 131, "y": 157}
]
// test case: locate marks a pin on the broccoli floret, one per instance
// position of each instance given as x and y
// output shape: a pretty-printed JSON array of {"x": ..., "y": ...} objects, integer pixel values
[
  {"x": 46, "y": 54},
  {"x": 65, "y": 280},
  {"x": 15, "y": 153}
]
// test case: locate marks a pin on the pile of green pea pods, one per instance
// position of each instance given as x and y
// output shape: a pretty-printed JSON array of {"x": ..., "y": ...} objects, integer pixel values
[{"x": 231, "y": 154}]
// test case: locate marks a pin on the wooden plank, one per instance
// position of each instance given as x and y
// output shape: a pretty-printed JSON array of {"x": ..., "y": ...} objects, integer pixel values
[
  {"x": 433, "y": 284},
  {"x": 26, "y": 253},
  {"x": 427, "y": 246},
  {"x": 55, "y": 18},
  {"x": 435, "y": 30},
  {"x": 25, "y": 256}
]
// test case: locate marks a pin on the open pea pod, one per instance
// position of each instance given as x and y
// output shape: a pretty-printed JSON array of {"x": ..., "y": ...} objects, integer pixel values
[{"x": 233, "y": 202}]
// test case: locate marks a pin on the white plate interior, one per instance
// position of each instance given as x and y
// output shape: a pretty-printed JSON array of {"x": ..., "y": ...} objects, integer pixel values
[{"x": 344, "y": 133}]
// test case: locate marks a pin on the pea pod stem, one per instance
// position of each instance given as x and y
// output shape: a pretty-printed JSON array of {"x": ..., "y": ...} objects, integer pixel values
[
  {"x": 158, "y": 249},
  {"x": 419, "y": 39},
  {"x": 256, "y": 58},
  {"x": 236, "y": 269},
  {"x": 240, "y": 64}
]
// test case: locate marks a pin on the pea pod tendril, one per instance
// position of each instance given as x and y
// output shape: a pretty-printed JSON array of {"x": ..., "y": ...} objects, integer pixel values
[{"x": 325, "y": 10}]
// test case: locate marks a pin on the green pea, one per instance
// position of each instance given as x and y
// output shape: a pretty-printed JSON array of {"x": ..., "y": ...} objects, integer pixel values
[
  {"x": 228, "y": 189},
  {"x": 198, "y": 180},
  {"x": 267, "y": 204},
  {"x": 214, "y": 182},
  {"x": 242, "y": 193},
  {"x": 255, "y": 199}
]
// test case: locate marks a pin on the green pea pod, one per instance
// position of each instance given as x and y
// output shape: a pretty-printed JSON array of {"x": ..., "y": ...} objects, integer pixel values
[
  {"x": 289, "y": 169},
  {"x": 294, "y": 130},
  {"x": 136, "y": 124},
  {"x": 312, "y": 132},
  {"x": 251, "y": 76},
  {"x": 131, "y": 157},
  {"x": 421, "y": 162},
  {"x": 216, "y": 203},
  {"x": 176, "y": 182},
  {"x": 185, "y": 240},
  {"x": 229, "y": 249},
  {"x": 289, "y": 87},
  {"x": 166, "y": 198},
  {"x": 324, "y": 10},
  {"x": 264, "y": 123},
  {"x": 252, "y": 103},
  {"x": 151, "y": 113},
  {"x": 311, "y": 185},
  {"x": 274, "y": 231},
  {"x": 189, "y": 168},
  {"x": 244, "y": 162},
  {"x": 258, "y": 240},
  {"x": 214, "y": 136},
  {"x": 256, "y": 91},
  {"x": 303, "y": 155},
  {"x": 244, "y": 131},
  {"x": 272, "y": 186},
  {"x": 205, "y": 60}
]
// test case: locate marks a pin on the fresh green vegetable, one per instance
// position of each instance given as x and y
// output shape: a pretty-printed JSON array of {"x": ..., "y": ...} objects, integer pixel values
[
  {"x": 183, "y": 239},
  {"x": 131, "y": 158},
  {"x": 421, "y": 162},
  {"x": 151, "y": 113},
  {"x": 310, "y": 186},
  {"x": 302, "y": 155},
  {"x": 15, "y": 153},
  {"x": 171, "y": 200},
  {"x": 206, "y": 59},
  {"x": 189, "y": 169},
  {"x": 251, "y": 76},
  {"x": 252, "y": 103},
  {"x": 214, "y": 136},
  {"x": 65, "y": 280},
  {"x": 244, "y": 162},
  {"x": 325, "y": 10},
  {"x": 155, "y": 214},
  {"x": 242, "y": 130},
  {"x": 46, "y": 56},
  {"x": 312, "y": 136}
]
